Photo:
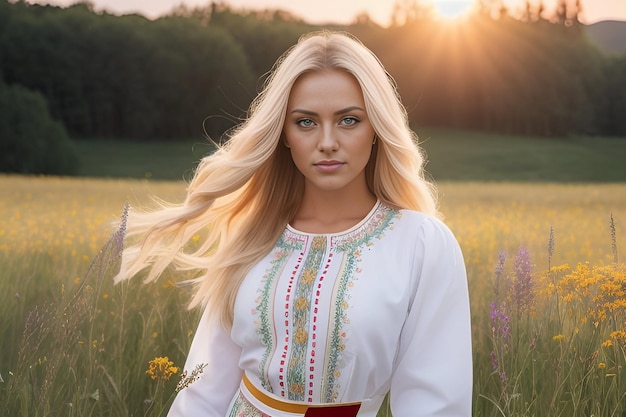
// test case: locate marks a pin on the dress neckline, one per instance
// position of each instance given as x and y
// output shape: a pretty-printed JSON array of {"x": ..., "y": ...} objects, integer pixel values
[{"x": 351, "y": 229}]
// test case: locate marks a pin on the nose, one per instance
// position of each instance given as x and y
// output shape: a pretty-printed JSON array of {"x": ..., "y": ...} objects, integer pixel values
[{"x": 327, "y": 142}]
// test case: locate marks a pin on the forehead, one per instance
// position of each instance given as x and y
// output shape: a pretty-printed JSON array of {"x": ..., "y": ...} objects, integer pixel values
[{"x": 327, "y": 86}]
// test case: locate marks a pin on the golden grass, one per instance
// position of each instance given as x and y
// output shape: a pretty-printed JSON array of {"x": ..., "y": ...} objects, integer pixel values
[{"x": 52, "y": 228}]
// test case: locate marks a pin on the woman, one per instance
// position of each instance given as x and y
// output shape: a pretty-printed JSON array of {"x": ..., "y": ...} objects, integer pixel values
[{"x": 327, "y": 279}]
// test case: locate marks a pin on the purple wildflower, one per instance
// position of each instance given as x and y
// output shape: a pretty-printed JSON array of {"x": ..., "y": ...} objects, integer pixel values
[
  {"x": 503, "y": 377},
  {"x": 494, "y": 360},
  {"x": 120, "y": 233},
  {"x": 499, "y": 271},
  {"x": 500, "y": 325},
  {"x": 523, "y": 285}
]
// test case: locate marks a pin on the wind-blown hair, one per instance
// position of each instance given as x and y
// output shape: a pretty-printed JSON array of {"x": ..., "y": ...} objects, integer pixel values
[{"x": 243, "y": 195}]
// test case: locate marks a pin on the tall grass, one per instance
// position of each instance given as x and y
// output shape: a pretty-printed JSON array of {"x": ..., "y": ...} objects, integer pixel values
[{"x": 547, "y": 290}]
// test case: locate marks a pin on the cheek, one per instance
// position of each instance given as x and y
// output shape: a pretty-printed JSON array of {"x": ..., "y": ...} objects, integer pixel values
[{"x": 290, "y": 136}]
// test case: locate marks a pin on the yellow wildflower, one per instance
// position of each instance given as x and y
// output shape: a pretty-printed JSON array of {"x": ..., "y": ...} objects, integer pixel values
[
  {"x": 161, "y": 368},
  {"x": 601, "y": 365},
  {"x": 558, "y": 337}
]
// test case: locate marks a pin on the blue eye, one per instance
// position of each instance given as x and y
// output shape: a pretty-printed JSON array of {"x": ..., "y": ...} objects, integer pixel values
[
  {"x": 305, "y": 123},
  {"x": 349, "y": 121}
]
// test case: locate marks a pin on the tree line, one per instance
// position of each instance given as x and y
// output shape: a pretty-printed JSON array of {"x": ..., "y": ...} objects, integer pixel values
[{"x": 195, "y": 70}]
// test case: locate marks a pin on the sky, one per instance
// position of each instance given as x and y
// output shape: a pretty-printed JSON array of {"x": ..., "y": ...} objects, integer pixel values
[{"x": 337, "y": 11}]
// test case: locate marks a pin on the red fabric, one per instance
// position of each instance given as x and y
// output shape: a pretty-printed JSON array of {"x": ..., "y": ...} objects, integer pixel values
[{"x": 340, "y": 411}]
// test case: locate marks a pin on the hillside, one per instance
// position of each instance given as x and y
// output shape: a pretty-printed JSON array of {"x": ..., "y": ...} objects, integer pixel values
[{"x": 609, "y": 35}]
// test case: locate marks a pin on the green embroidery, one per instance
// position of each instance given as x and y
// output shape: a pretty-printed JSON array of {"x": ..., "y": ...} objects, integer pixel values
[
  {"x": 284, "y": 247},
  {"x": 350, "y": 245},
  {"x": 243, "y": 408},
  {"x": 347, "y": 250},
  {"x": 296, "y": 375}
]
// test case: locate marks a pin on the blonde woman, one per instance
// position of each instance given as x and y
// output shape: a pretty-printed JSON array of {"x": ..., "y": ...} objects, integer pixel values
[{"x": 326, "y": 277}]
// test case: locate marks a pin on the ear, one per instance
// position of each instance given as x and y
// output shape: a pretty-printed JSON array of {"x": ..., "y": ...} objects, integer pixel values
[{"x": 283, "y": 140}]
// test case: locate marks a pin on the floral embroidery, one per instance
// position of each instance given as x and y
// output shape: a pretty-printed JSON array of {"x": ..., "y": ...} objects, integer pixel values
[
  {"x": 301, "y": 319},
  {"x": 285, "y": 246},
  {"x": 350, "y": 245},
  {"x": 307, "y": 284},
  {"x": 243, "y": 408}
]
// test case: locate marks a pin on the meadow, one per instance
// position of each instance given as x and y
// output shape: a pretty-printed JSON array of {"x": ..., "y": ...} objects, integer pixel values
[{"x": 547, "y": 284}]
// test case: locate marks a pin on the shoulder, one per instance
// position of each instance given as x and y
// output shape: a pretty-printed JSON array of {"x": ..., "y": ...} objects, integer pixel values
[{"x": 424, "y": 226}]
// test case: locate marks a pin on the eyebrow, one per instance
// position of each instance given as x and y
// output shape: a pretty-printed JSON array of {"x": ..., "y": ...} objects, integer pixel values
[{"x": 342, "y": 111}]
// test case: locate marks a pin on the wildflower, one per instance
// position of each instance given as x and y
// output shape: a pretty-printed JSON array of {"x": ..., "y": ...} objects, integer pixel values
[
  {"x": 619, "y": 336},
  {"x": 494, "y": 360},
  {"x": 503, "y": 378},
  {"x": 601, "y": 365},
  {"x": 499, "y": 271},
  {"x": 95, "y": 395},
  {"x": 120, "y": 233},
  {"x": 500, "y": 320},
  {"x": 523, "y": 285},
  {"x": 558, "y": 337},
  {"x": 161, "y": 368},
  {"x": 187, "y": 380},
  {"x": 550, "y": 246},
  {"x": 613, "y": 240}
]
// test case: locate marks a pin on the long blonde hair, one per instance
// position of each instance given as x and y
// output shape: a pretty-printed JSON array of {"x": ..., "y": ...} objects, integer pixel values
[{"x": 243, "y": 195}]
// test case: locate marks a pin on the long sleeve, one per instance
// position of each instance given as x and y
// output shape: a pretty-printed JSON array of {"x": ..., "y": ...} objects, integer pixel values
[
  {"x": 210, "y": 395},
  {"x": 433, "y": 374}
]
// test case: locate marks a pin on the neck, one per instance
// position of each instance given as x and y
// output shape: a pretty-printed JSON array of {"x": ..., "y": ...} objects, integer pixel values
[{"x": 332, "y": 211}]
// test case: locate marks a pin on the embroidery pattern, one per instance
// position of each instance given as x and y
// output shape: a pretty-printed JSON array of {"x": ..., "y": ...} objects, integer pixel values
[
  {"x": 284, "y": 247},
  {"x": 351, "y": 244},
  {"x": 296, "y": 369},
  {"x": 298, "y": 360},
  {"x": 243, "y": 408}
]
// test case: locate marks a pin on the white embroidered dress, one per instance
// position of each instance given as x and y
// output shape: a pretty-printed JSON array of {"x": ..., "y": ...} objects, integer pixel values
[{"x": 344, "y": 317}]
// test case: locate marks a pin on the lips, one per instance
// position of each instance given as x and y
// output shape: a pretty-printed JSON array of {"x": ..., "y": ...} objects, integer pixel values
[{"x": 329, "y": 166}]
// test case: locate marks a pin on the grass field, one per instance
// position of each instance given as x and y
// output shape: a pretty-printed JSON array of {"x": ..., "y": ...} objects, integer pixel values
[
  {"x": 453, "y": 156},
  {"x": 545, "y": 344}
]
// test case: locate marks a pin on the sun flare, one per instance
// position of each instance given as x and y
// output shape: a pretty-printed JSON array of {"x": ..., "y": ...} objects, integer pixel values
[{"x": 452, "y": 9}]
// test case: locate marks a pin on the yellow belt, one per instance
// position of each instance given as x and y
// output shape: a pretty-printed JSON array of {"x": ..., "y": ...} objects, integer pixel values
[{"x": 290, "y": 407}]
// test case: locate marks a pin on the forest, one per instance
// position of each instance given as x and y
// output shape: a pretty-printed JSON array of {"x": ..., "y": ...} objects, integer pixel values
[{"x": 195, "y": 70}]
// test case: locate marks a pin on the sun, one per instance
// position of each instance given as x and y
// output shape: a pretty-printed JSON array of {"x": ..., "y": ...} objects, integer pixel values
[{"x": 452, "y": 9}]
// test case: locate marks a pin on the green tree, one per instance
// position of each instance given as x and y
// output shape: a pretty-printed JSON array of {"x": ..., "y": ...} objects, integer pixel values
[{"x": 31, "y": 142}]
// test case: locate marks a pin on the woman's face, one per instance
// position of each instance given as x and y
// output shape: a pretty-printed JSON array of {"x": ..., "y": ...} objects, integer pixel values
[{"x": 328, "y": 131}]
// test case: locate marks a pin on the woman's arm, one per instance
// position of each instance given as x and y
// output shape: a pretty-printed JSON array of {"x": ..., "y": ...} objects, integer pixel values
[
  {"x": 433, "y": 375},
  {"x": 210, "y": 395}
]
